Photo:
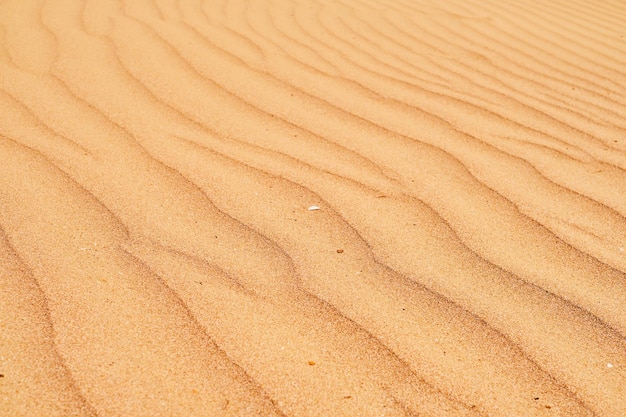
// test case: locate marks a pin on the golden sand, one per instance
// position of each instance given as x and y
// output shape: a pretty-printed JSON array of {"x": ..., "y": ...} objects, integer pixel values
[{"x": 312, "y": 208}]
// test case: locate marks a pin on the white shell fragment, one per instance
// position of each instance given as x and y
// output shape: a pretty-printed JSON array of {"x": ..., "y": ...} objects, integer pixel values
[{"x": 313, "y": 208}]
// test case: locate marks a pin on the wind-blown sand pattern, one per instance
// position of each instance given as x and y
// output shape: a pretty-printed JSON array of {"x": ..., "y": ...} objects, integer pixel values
[{"x": 157, "y": 164}]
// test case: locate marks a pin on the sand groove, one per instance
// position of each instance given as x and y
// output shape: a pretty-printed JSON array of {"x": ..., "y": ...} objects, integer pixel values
[{"x": 157, "y": 162}]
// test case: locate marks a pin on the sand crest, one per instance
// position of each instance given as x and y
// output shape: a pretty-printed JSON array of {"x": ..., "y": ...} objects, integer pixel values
[{"x": 312, "y": 208}]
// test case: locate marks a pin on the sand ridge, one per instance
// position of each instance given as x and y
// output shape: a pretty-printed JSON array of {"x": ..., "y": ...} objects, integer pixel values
[{"x": 157, "y": 251}]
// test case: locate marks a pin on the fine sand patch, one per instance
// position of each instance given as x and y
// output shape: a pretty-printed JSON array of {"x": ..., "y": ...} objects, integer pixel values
[{"x": 312, "y": 208}]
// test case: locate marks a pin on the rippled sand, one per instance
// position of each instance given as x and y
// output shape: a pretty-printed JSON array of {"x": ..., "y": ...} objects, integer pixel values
[{"x": 160, "y": 254}]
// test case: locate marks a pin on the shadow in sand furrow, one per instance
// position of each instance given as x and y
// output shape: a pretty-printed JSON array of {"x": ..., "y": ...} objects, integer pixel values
[
  {"x": 496, "y": 169},
  {"x": 466, "y": 67},
  {"x": 519, "y": 82},
  {"x": 546, "y": 206},
  {"x": 21, "y": 20},
  {"x": 501, "y": 90},
  {"x": 570, "y": 34},
  {"x": 27, "y": 338},
  {"x": 502, "y": 111},
  {"x": 594, "y": 179},
  {"x": 442, "y": 110},
  {"x": 427, "y": 251},
  {"x": 223, "y": 235},
  {"x": 450, "y": 198},
  {"x": 443, "y": 189},
  {"x": 410, "y": 327},
  {"x": 123, "y": 335},
  {"x": 259, "y": 125},
  {"x": 310, "y": 359},
  {"x": 543, "y": 31},
  {"x": 257, "y": 283}
]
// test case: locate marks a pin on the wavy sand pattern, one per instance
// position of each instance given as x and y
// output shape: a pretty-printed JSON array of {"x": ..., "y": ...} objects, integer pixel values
[{"x": 158, "y": 159}]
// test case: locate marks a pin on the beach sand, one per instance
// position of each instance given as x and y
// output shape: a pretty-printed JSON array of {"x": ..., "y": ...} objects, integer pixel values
[{"x": 312, "y": 208}]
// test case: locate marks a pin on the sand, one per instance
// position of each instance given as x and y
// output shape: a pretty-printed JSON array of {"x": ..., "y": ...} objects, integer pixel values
[{"x": 312, "y": 208}]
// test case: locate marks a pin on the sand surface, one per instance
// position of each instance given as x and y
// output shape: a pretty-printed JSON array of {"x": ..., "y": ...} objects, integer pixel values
[{"x": 312, "y": 208}]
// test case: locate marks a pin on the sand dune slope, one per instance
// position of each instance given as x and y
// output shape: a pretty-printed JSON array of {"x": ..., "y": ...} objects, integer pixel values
[{"x": 312, "y": 208}]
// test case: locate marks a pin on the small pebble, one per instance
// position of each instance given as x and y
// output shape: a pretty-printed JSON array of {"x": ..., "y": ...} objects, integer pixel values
[
  {"x": 609, "y": 365},
  {"x": 339, "y": 250}
]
